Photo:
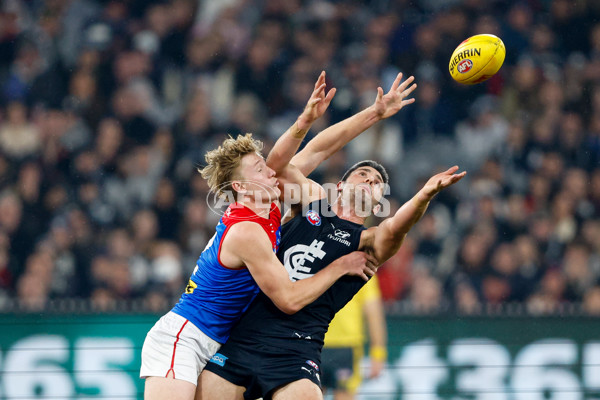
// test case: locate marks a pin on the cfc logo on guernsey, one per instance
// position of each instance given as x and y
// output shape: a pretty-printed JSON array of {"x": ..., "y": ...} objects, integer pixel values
[{"x": 298, "y": 259}]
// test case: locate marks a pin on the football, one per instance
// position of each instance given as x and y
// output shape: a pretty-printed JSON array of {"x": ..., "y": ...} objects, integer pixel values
[{"x": 477, "y": 59}]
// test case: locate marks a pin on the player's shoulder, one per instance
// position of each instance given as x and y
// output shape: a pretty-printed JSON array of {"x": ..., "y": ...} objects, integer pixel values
[{"x": 238, "y": 211}]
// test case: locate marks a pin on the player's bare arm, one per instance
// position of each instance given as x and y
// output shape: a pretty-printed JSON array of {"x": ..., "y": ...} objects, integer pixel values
[
  {"x": 287, "y": 145},
  {"x": 332, "y": 139},
  {"x": 384, "y": 240},
  {"x": 247, "y": 244},
  {"x": 293, "y": 184}
]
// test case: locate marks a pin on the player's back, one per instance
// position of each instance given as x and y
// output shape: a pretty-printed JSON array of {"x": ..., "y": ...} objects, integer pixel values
[
  {"x": 310, "y": 241},
  {"x": 217, "y": 295}
]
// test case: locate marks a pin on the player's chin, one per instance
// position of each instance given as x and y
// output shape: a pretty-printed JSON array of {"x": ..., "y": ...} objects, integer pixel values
[
  {"x": 273, "y": 194},
  {"x": 363, "y": 213},
  {"x": 363, "y": 210}
]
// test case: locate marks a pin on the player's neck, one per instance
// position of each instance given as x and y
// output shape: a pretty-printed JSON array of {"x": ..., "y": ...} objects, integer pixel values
[{"x": 346, "y": 212}]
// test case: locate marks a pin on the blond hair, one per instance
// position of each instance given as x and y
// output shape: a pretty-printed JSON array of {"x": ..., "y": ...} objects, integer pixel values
[{"x": 223, "y": 162}]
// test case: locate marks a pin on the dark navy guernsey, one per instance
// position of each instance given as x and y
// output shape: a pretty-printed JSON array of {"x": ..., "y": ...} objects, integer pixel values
[{"x": 310, "y": 241}]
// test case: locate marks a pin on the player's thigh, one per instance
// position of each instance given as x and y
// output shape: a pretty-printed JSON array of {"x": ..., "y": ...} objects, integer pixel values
[
  {"x": 159, "y": 388},
  {"x": 343, "y": 395},
  {"x": 304, "y": 389},
  {"x": 212, "y": 386}
]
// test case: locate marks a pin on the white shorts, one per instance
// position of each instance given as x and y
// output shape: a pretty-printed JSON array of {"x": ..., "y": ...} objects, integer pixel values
[{"x": 175, "y": 344}]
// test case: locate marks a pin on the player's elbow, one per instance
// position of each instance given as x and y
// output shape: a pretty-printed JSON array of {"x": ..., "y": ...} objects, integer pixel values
[
  {"x": 287, "y": 306},
  {"x": 283, "y": 300}
]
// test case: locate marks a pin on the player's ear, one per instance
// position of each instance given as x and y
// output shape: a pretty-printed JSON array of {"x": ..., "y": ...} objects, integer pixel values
[
  {"x": 376, "y": 209},
  {"x": 239, "y": 187}
]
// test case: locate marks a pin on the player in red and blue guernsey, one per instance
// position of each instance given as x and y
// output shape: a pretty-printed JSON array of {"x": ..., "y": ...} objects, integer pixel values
[{"x": 238, "y": 260}]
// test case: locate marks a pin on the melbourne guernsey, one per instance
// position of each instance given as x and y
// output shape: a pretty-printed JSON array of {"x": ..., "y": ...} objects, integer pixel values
[{"x": 216, "y": 296}]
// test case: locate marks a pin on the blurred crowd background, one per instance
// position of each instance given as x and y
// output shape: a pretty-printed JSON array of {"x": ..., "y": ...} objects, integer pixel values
[{"x": 107, "y": 108}]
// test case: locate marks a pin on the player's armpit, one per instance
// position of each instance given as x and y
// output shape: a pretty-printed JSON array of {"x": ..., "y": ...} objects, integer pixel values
[
  {"x": 380, "y": 242},
  {"x": 297, "y": 189}
]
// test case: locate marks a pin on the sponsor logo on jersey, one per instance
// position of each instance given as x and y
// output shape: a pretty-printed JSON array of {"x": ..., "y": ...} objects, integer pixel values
[
  {"x": 313, "y": 217},
  {"x": 189, "y": 289},
  {"x": 340, "y": 236},
  {"x": 299, "y": 258},
  {"x": 219, "y": 359}
]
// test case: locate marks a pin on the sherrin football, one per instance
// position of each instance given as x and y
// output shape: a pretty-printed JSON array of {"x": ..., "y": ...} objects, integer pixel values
[{"x": 477, "y": 59}]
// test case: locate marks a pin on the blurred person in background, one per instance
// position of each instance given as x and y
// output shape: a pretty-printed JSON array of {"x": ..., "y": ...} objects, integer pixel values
[
  {"x": 363, "y": 317},
  {"x": 19, "y": 138}
]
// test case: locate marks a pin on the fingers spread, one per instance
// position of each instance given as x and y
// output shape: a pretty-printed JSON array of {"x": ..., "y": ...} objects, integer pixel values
[
  {"x": 409, "y": 90},
  {"x": 320, "y": 80},
  {"x": 396, "y": 82},
  {"x": 407, "y": 82}
]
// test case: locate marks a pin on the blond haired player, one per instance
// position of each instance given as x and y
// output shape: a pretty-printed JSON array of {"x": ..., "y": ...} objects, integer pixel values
[
  {"x": 346, "y": 338},
  {"x": 238, "y": 260}
]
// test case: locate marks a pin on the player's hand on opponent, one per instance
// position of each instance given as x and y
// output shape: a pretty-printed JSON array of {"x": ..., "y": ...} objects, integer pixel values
[
  {"x": 440, "y": 181},
  {"x": 317, "y": 104},
  {"x": 390, "y": 103},
  {"x": 358, "y": 263}
]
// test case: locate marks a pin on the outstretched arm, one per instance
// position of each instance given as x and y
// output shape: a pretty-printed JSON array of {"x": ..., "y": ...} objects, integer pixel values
[
  {"x": 287, "y": 145},
  {"x": 332, "y": 139},
  {"x": 384, "y": 240},
  {"x": 247, "y": 244}
]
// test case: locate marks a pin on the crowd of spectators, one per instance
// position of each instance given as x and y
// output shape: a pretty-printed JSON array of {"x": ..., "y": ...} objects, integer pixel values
[{"x": 107, "y": 108}]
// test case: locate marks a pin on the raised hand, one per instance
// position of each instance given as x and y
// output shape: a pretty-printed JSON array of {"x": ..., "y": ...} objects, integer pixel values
[
  {"x": 390, "y": 103},
  {"x": 317, "y": 104},
  {"x": 441, "y": 181}
]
